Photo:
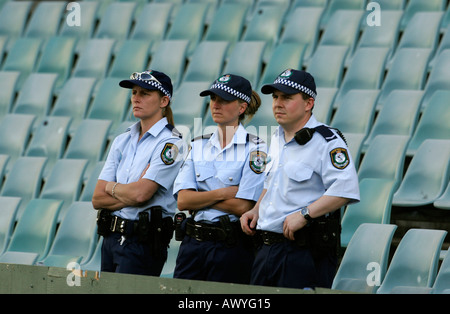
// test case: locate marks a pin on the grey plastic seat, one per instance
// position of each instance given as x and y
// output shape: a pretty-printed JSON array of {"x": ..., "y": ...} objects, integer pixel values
[
  {"x": 369, "y": 244},
  {"x": 415, "y": 261}
]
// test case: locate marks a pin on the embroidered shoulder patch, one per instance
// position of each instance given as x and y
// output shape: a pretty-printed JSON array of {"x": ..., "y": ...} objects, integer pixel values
[
  {"x": 258, "y": 161},
  {"x": 339, "y": 158},
  {"x": 169, "y": 153}
]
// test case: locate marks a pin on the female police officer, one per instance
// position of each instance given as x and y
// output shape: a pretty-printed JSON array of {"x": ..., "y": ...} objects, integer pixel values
[
  {"x": 134, "y": 189},
  {"x": 221, "y": 179},
  {"x": 309, "y": 177}
]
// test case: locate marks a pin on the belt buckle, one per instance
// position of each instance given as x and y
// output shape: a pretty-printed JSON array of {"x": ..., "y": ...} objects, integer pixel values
[
  {"x": 265, "y": 238},
  {"x": 197, "y": 236},
  {"x": 115, "y": 227}
]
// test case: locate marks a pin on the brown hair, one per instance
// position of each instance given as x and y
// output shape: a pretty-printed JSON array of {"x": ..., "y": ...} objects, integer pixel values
[
  {"x": 167, "y": 110},
  {"x": 252, "y": 107}
]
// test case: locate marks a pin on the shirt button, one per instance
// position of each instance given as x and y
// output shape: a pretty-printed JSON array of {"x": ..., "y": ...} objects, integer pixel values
[
  {"x": 197, "y": 174},
  {"x": 230, "y": 178}
]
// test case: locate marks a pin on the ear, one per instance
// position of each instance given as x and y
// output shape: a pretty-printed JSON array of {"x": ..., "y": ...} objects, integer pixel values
[
  {"x": 165, "y": 100},
  {"x": 310, "y": 104},
  {"x": 243, "y": 107}
]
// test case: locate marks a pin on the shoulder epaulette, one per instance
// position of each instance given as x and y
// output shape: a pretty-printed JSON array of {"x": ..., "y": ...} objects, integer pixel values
[
  {"x": 328, "y": 134},
  {"x": 255, "y": 139},
  {"x": 174, "y": 130},
  {"x": 204, "y": 136}
]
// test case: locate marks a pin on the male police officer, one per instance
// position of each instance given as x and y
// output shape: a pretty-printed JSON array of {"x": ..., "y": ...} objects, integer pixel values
[{"x": 310, "y": 176}]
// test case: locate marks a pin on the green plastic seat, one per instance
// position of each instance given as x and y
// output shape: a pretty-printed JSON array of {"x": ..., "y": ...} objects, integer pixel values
[
  {"x": 89, "y": 187},
  {"x": 415, "y": 261},
  {"x": 442, "y": 283},
  {"x": 427, "y": 175},
  {"x": 24, "y": 180},
  {"x": 76, "y": 238},
  {"x": 9, "y": 207},
  {"x": 116, "y": 21},
  {"x": 374, "y": 207},
  {"x": 415, "y": 6},
  {"x": 8, "y": 81},
  {"x": 443, "y": 201},
  {"x": 369, "y": 244},
  {"x": 36, "y": 229},
  {"x": 94, "y": 59},
  {"x": 49, "y": 140},
  {"x": 94, "y": 263},
  {"x": 206, "y": 62},
  {"x": 64, "y": 183},
  {"x": 385, "y": 35},
  {"x": 132, "y": 56},
  {"x": 45, "y": 19},
  {"x": 170, "y": 58},
  {"x": 340, "y": 5},
  {"x": 439, "y": 78},
  {"x": 327, "y": 65},
  {"x": 13, "y": 18}
]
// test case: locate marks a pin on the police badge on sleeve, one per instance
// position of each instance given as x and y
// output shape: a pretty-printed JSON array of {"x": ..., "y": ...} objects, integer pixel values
[
  {"x": 169, "y": 153},
  {"x": 339, "y": 158},
  {"x": 258, "y": 161}
]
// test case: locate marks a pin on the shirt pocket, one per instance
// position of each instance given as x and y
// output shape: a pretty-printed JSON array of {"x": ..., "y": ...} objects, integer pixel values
[
  {"x": 298, "y": 171},
  {"x": 230, "y": 176},
  {"x": 203, "y": 173}
]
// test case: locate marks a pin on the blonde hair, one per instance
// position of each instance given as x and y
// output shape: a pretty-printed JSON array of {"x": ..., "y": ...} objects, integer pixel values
[{"x": 252, "y": 107}]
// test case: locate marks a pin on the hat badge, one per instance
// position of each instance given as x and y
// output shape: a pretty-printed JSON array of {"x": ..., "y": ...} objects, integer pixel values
[
  {"x": 287, "y": 73},
  {"x": 224, "y": 79}
]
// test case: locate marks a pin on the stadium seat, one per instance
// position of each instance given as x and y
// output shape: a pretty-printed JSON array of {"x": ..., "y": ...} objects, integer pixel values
[
  {"x": 265, "y": 25},
  {"x": 64, "y": 183},
  {"x": 152, "y": 23},
  {"x": 13, "y": 18},
  {"x": 89, "y": 186},
  {"x": 15, "y": 143},
  {"x": 170, "y": 58},
  {"x": 231, "y": 14},
  {"x": 354, "y": 143},
  {"x": 385, "y": 35},
  {"x": 307, "y": 20},
  {"x": 433, "y": 123},
  {"x": 117, "y": 20},
  {"x": 246, "y": 60},
  {"x": 35, "y": 229},
  {"x": 366, "y": 71},
  {"x": 76, "y": 238},
  {"x": 57, "y": 57},
  {"x": 370, "y": 244},
  {"x": 3, "y": 41},
  {"x": 94, "y": 263},
  {"x": 288, "y": 55},
  {"x": 439, "y": 77},
  {"x": 172, "y": 253},
  {"x": 263, "y": 122},
  {"x": 327, "y": 65},
  {"x": 22, "y": 57},
  {"x": 334, "y": 6},
  {"x": 407, "y": 71},
  {"x": 415, "y": 261},
  {"x": 189, "y": 24},
  {"x": 85, "y": 30},
  {"x": 94, "y": 59},
  {"x": 89, "y": 142},
  {"x": 8, "y": 81},
  {"x": 49, "y": 140},
  {"x": 24, "y": 180},
  {"x": 356, "y": 112},
  {"x": 45, "y": 19},
  {"x": 74, "y": 100},
  {"x": 374, "y": 207},
  {"x": 110, "y": 102},
  {"x": 342, "y": 29},
  {"x": 399, "y": 116},
  {"x": 442, "y": 283},
  {"x": 422, "y": 31},
  {"x": 323, "y": 105},
  {"x": 415, "y": 6},
  {"x": 133, "y": 56},
  {"x": 427, "y": 175},
  {"x": 188, "y": 93},
  {"x": 4, "y": 159},
  {"x": 36, "y": 95},
  {"x": 206, "y": 62},
  {"x": 10, "y": 205},
  {"x": 443, "y": 202}
]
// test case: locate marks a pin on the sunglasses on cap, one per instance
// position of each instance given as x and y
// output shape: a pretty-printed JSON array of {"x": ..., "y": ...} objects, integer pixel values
[{"x": 144, "y": 76}]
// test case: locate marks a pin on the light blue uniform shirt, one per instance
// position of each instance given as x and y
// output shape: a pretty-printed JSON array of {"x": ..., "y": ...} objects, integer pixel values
[
  {"x": 297, "y": 175},
  {"x": 128, "y": 158},
  {"x": 209, "y": 167}
]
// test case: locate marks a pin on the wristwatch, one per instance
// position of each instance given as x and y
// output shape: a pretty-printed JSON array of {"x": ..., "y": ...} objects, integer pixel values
[{"x": 305, "y": 213}]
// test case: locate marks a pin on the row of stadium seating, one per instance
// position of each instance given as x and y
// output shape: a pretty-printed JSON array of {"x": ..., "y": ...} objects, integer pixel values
[{"x": 385, "y": 87}]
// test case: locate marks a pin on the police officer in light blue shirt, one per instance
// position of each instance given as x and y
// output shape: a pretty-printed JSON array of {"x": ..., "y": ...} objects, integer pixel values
[
  {"x": 310, "y": 176},
  {"x": 221, "y": 179},
  {"x": 134, "y": 189}
]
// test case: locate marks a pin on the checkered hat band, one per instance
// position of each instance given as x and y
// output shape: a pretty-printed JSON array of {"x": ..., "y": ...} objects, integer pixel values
[
  {"x": 232, "y": 91},
  {"x": 297, "y": 86},
  {"x": 157, "y": 85}
]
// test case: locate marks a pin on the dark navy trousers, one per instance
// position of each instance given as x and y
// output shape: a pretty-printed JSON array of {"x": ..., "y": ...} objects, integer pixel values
[
  {"x": 214, "y": 261},
  {"x": 130, "y": 257},
  {"x": 286, "y": 265}
]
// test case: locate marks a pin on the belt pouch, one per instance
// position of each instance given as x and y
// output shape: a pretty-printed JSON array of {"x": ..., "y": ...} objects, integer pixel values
[
  {"x": 104, "y": 219},
  {"x": 143, "y": 227}
]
